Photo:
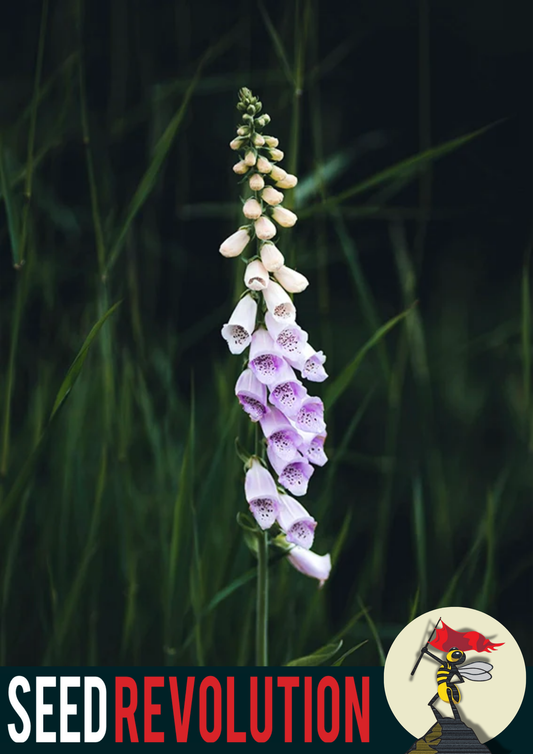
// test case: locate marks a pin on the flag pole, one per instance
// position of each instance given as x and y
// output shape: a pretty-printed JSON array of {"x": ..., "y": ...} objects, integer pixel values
[{"x": 422, "y": 650}]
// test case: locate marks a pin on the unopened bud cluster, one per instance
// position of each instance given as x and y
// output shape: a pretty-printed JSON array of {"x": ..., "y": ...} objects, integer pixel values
[{"x": 264, "y": 321}]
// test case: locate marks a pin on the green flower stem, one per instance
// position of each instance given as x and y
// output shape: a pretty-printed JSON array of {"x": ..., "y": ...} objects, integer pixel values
[{"x": 261, "y": 629}]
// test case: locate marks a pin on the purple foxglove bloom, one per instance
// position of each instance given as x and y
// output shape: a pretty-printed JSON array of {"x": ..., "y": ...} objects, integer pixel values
[
  {"x": 287, "y": 393},
  {"x": 281, "y": 435},
  {"x": 310, "y": 416},
  {"x": 264, "y": 362},
  {"x": 312, "y": 448},
  {"x": 238, "y": 331},
  {"x": 294, "y": 475},
  {"x": 252, "y": 395},
  {"x": 299, "y": 526},
  {"x": 261, "y": 495},
  {"x": 312, "y": 366},
  {"x": 279, "y": 303},
  {"x": 310, "y": 564},
  {"x": 289, "y": 337}
]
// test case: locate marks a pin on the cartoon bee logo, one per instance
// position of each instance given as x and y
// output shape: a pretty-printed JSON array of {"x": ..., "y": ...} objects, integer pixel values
[{"x": 455, "y": 644}]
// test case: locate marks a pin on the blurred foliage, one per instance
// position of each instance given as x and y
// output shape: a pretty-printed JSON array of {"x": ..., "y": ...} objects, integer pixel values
[{"x": 118, "y": 540}]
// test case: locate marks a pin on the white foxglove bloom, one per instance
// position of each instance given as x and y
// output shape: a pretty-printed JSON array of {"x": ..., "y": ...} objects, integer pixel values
[
  {"x": 256, "y": 277},
  {"x": 252, "y": 209},
  {"x": 240, "y": 167},
  {"x": 264, "y": 165},
  {"x": 252, "y": 395},
  {"x": 299, "y": 526},
  {"x": 261, "y": 495},
  {"x": 312, "y": 366},
  {"x": 310, "y": 416},
  {"x": 264, "y": 228},
  {"x": 279, "y": 303},
  {"x": 289, "y": 338},
  {"x": 276, "y": 155},
  {"x": 310, "y": 564},
  {"x": 287, "y": 393},
  {"x": 236, "y": 143},
  {"x": 278, "y": 174},
  {"x": 259, "y": 140},
  {"x": 271, "y": 196},
  {"x": 250, "y": 159},
  {"x": 235, "y": 244},
  {"x": 312, "y": 447},
  {"x": 284, "y": 217},
  {"x": 288, "y": 182},
  {"x": 271, "y": 141},
  {"x": 256, "y": 182},
  {"x": 292, "y": 281},
  {"x": 281, "y": 435},
  {"x": 271, "y": 257},
  {"x": 264, "y": 362},
  {"x": 238, "y": 331},
  {"x": 293, "y": 475}
]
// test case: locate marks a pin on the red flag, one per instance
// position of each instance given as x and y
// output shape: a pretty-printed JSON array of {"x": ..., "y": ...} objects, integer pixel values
[{"x": 447, "y": 638}]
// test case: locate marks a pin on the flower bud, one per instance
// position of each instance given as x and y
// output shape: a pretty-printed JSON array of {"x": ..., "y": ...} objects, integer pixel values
[
  {"x": 276, "y": 155},
  {"x": 264, "y": 228},
  {"x": 264, "y": 165},
  {"x": 271, "y": 141},
  {"x": 243, "y": 130},
  {"x": 256, "y": 277},
  {"x": 271, "y": 196},
  {"x": 310, "y": 564},
  {"x": 252, "y": 209},
  {"x": 271, "y": 257},
  {"x": 288, "y": 182},
  {"x": 236, "y": 143},
  {"x": 292, "y": 281},
  {"x": 284, "y": 217},
  {"x": 278, "y": 174},
  {"x": 247, "y": 118},
  {"x": 240, "y": 167},
  {"x": 256, "y": 182},
  {"x": 258, "y": 140},
  {"x": 235, "y": 244},
  {"x": 250, "y": 158}
]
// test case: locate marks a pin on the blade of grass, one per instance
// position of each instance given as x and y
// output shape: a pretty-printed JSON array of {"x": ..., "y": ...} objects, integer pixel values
[
  {"x": 408, "y": 167},
  {"x": 343, "y": 380}
]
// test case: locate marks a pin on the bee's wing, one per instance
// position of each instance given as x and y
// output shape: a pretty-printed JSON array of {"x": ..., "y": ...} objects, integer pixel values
[{"x": 476, "y": 671}]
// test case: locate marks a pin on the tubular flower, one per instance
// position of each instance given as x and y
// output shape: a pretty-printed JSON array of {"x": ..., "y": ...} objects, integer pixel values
[
  {"x": 252, "y": 209},
  {"x": 261, "y": 494},
  {"x": 271, "y": 257},
  {"x": 291, "y": 420},
  {"x": 312, "y": 448},
  {"x": 289, "y": 338},
  {"x": 235, "y": 244},
  {"x": 264, "y": 362},
  {"x": 279, "y": 303},
  {"x": 288, "y": 182},
  {"x": 238, "y": 331},
  {"x": 310, "y": 416},
  {"x": 310, "y": 564},
  {"x": 293, "y": 475},
  {"x": 256, "y": 277},
  {"x": 271, "y": 196},
  {"x": 256, "y": 182},
  {"x": 299, "y": 526},
  {"x": 281, "y": 435},
  {"x": 286, "y": 392},
  {"x": 265, "y": 228},
  {"x": 252, "y": 395},
  {"x": 284, "y": 217},
  {"x": 292, "y": 281}
]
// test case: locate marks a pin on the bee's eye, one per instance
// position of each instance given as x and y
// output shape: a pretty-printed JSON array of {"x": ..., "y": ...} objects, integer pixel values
[{"x": 456, "y": 655}]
